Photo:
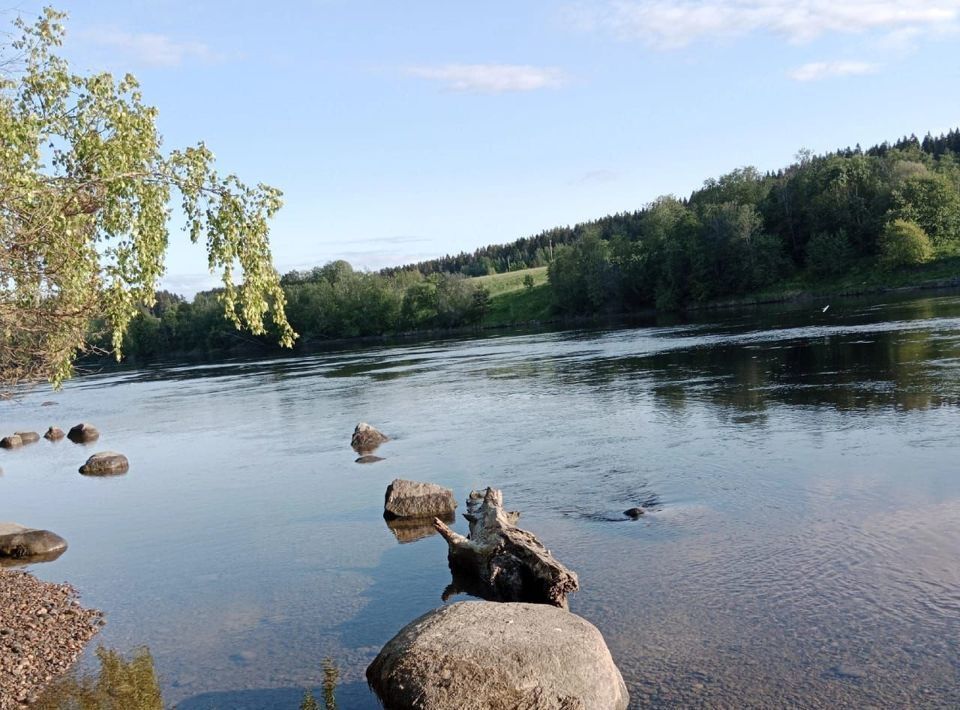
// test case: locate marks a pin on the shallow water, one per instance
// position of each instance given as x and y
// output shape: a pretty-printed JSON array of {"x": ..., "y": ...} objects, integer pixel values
[{"x": 801, "y": 472}]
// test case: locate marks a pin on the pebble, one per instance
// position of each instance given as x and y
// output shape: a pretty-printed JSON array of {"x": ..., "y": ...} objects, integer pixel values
[{"x": 43, "y": 631}]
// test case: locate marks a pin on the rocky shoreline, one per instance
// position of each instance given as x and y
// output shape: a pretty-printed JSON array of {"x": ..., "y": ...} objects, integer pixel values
[{"x": 43, "y": 630}]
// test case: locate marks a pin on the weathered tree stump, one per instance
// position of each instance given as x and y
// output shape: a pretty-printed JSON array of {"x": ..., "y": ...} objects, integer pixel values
[{"x": 505, "y": 563}]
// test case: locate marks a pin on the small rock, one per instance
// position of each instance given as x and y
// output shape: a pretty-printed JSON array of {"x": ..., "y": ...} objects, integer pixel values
[
  {"x": 369, "y": 458},
  {"x": 413, "y": 499},
  {"x": 11, "y": 442},
  {"x": 633, "y": 513},
  {"x": 48, "y": 403},
  {"x": 105, "y": 463},
  {"x": 366, "y": 438},
  {"x": 83, "y": 433},
  {"x": 28, "y": 437},
  {"x": 849, "y": 671},
  {"x": 54, "y": 434}
]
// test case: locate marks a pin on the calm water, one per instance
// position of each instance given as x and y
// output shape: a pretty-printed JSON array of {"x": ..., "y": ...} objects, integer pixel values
[{"x": 802, "y": 472}]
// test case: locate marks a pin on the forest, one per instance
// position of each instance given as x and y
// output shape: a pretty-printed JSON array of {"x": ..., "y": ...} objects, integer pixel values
[{"x": 880, "y": 209}]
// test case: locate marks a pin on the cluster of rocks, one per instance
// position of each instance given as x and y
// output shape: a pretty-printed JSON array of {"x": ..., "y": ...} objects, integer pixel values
[
  {"x": 42, "y": 627},
  {"x": 502, "y": 653},
  {"x": 103, "y": 463},
  {"x": 80, "y": 434},
  {"x": 43, "y": 630}
]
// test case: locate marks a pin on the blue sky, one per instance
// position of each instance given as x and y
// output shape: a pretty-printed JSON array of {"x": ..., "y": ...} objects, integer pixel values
[{"x": 405, "y": 130}]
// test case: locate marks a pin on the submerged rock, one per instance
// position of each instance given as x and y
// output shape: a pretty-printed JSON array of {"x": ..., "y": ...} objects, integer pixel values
[
  {"x": 28, "y": 437},
  {"x": 48, "y": 403},
  {"x": 54, "y": 433},
  {"x": 483, "y": 655},
  {"x": 413, "y": 499},
  {"x": 83, "y": 433},
  {"x": 19, "y": 542},
  {"x": 634, "y": 513},
  {"x": 105, "y": 463},
  {"x": 11, "y": 442},
  {"x": 366, "y": 438},
  {"x": 369, "y": 458}
]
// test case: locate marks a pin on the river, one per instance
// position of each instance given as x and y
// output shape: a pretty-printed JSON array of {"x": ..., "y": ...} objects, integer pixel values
[{"x": 800, "y": 469}]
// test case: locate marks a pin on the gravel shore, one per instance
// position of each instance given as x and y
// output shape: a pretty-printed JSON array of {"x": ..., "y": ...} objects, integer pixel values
[{"x": 42, "y": 632}]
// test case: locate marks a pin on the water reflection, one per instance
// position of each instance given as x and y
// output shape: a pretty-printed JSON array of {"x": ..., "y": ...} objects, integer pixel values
[
  {"x": 122, "y": 683},
  {"x": 790, "y": 463},
  {"x": 408, "y": 530},
  {"x": 119, "y": 684}
]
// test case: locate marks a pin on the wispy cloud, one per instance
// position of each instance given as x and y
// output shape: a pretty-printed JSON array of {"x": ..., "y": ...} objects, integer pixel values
[
  {"x": 490, "y": 78},
  {"x": 150, "y": 48},
  {"x": 670, "y": 24},
  {"x": 815, "y": 71},
  {"x": 598, "y": 177}
]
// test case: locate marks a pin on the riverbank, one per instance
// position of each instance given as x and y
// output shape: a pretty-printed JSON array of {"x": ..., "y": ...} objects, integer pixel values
[{"x": 43, "y": 630}]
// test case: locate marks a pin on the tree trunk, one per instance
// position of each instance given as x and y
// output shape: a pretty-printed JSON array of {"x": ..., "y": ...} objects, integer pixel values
[{"x": 501, "y": 562}]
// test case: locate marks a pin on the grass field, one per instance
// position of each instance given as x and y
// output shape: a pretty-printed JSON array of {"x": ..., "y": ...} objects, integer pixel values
[
  {"x": 512, "y": 280},
  {"x": 512, "y": 302}
]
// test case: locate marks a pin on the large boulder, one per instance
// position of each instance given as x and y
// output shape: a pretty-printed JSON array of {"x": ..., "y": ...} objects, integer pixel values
[
  {"x": 54, "y": 433},
  {"x": 366, "y": 438},
  {"x": 412, "y": 499},
  {"x": 20, "y": 542},
  {"x": 28, "y": 437},
  {"x": 83, "y": 433},
  {"x": 498, "y": 656},
  {"x": 105, "y": 463},
  {"x": 11, "y": 442}
]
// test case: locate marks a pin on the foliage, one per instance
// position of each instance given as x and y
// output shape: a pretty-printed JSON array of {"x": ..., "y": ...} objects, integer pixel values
[
  {"x": 84, "y": 213},
  {"x": 820, "y": 218},
  {"x": 904, "y": 243},
  {"x": 828, "y": 254}
]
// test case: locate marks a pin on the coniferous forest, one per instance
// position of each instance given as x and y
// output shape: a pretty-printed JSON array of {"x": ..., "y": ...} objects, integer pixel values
[{"x": 883, "y": 209}]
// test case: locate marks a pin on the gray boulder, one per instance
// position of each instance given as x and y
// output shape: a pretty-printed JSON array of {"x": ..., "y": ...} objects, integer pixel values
[
  {"x": 28, "y": 437},
  {"x": 498, "y": 656},
  {"x": 11, "y": 442},
  {"x": 54, "y": 433},
  {"x": 366, "y": 438},
  {"x": 105, "y": 463},
  {"x": 83, "y": 433},
  {"x": 412, "y": 499},
  {"x": 19, "y": 542}
]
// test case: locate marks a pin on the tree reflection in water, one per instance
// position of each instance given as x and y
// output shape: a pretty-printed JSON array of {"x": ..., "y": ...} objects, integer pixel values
[
  {"x": 331, "y": 676},
  {"x": 120, "y": 684}
]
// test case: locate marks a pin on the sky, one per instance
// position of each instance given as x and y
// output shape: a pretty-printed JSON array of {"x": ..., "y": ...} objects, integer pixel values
[{"x": 400, "y": 131}]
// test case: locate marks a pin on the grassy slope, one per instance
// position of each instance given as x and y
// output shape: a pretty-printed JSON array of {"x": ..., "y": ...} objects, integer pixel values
[{"x": 512, "y": 302}]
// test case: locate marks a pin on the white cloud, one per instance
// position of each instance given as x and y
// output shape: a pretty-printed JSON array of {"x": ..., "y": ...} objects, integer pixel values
[
  {"x": 669, "y": 24},
  {"x": 814, "y": 71},
  {"x": 151, "y": 48},
  {"x": 491, "y": 78}
]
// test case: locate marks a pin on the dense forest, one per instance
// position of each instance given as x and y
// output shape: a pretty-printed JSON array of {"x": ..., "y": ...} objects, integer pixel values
[{"x": 887, "y": 207}]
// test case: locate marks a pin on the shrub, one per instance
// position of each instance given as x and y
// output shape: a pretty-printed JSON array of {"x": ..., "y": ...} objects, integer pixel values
[{"x": 904, "y": 243}]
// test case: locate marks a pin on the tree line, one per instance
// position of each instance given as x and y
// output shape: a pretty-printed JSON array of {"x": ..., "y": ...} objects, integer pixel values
[
  {"x": 328, "y": 302},
  {"x": 881, "y": 208}
]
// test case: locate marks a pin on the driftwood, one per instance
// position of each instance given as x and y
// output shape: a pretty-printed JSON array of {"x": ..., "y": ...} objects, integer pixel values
[{"x": 501, "y": 562}]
